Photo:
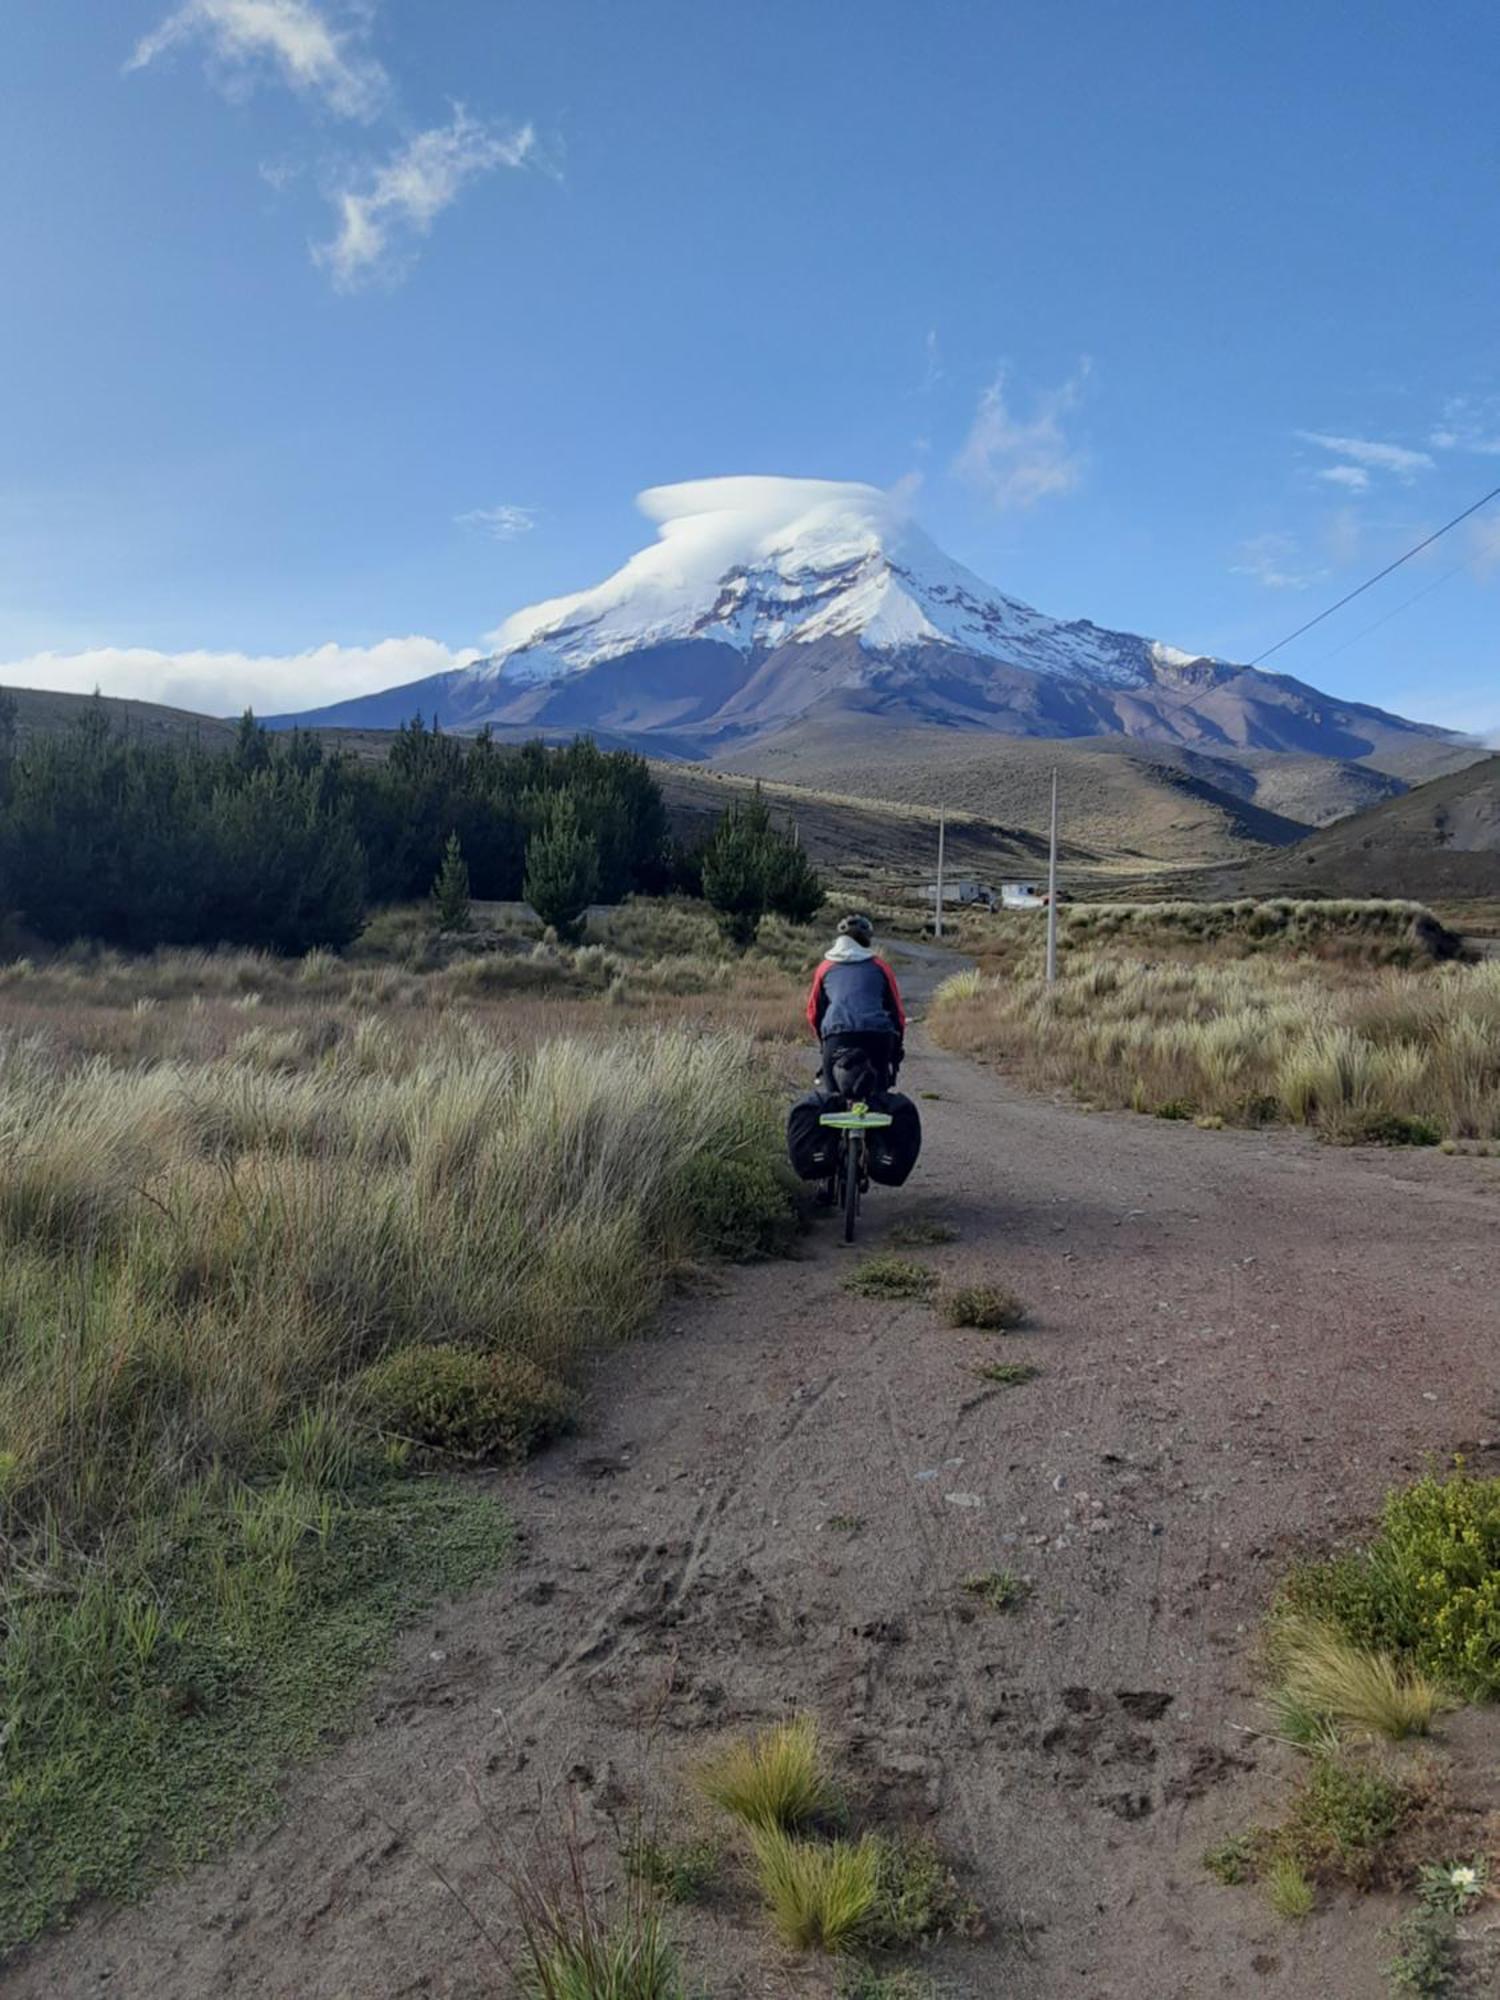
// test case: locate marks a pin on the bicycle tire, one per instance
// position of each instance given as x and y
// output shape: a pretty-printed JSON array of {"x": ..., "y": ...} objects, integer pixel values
[{"x": 851, "y": 1184}]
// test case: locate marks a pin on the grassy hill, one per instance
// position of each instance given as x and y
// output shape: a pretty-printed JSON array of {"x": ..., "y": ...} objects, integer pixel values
[
  {"x": 1439, "y": 841},
  {"x": 39, "y": 712},
  {"x": 1130, "y": 801}
]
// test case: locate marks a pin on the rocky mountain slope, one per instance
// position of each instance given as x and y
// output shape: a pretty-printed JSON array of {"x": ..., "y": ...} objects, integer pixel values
[{"x": 767, "y": 602}]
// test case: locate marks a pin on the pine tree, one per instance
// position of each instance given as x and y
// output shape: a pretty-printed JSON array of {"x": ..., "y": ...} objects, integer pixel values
[
  {"x": 450, "y": 892},
  {"x": 749, "y": 868},
  {"x": 562, "y": 865},
  {"x": 794, "y": 889},
  {"x": 734, "y": 873}
]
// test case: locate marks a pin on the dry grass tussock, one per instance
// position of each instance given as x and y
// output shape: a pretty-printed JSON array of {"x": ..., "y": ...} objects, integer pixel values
[
  {"x": 240, "y": 1298},
  {"x": 657, "y": 964},
  {"x": 1346, "y": 931},
  {"x": 1397, "y": 1056},
  {"x": 194, "y": 1252}
]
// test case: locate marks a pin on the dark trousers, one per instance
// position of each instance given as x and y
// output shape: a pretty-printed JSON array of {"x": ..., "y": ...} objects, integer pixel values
[{"x": 875, "y": 1052}]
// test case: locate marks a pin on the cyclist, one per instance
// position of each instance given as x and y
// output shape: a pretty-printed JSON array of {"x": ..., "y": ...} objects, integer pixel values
[{"x": 855, "y": 1010}]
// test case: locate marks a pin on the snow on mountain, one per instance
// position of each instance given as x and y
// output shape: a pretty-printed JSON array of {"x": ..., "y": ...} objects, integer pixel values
[
  {"x": 757, "y": 563},
  {"x": 766, "y": 605}
]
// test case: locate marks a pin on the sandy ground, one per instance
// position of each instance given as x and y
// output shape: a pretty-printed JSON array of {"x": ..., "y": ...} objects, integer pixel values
[{"x": 1244, "y": 1340}]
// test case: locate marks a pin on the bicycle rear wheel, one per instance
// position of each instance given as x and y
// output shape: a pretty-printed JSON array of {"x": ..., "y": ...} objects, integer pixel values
[{"x": 852, "y": 1144}]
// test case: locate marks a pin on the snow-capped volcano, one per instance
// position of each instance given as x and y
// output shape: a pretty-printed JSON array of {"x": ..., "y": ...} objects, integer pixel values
[
  {"x": 758, "y": 563},
  {"x": 766, "y": 603}
]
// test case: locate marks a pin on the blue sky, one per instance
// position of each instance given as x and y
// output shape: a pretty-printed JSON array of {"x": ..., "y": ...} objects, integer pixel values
[{"x": 334, "y": 332}]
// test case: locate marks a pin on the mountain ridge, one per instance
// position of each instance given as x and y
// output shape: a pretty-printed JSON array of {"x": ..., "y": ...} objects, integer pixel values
[{"x": 764, "y": 603}]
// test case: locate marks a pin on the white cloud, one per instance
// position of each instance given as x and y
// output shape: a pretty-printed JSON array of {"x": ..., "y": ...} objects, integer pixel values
[
  {"x": 1274, "y": 561},
  {"x": 405, "y": 196},
  {"x": 293, "y": 37},
  {"x": 1469, "y": 424},
  {"x": 501, "y": 524},
  {"x": 227, "y": 683},
  {"x": 1371, "y": 453},
  {"x": 1018, "y": 461},
  {"x": 1354, "y": 477},
  {"x": 933, "y": 370}
]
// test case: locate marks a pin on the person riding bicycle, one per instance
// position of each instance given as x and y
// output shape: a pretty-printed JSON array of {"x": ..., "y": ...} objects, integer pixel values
[{"x": 855, "y": 1010}]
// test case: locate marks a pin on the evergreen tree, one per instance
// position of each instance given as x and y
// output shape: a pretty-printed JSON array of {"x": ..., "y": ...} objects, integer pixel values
[
  {"x": 252, "y": 745},
  {"x": 749, "y": 868},
  {"x": 734, "y": 872},
  {"x": 562, "y": 866},
  {"x": 794, "y": 889},
  {"x": 450, "y": 892}
]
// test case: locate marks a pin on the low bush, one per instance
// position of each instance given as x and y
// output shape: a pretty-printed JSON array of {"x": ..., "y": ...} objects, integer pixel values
[
  {"x": 889, "y": 1277},
  {"x": 998, "y": 1589},
  {"x": 1426, "y": 1590},
  {"x": 465, "y": 1403},
  {"x": 917, "y": 1895},
  {"x": 738, "y": 1207},
  {"x": 1342, "y": 1814},
  {"x": 1426, "y": 1955},
  {"x": 683, "y": 1871},
  {"x": 990, "y": 1307},
  {"x": 1008, "y": 1374}
]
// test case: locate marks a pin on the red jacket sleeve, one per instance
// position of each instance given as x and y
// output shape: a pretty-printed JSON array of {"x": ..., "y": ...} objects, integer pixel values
[
  {"x": 890, "y": 980},
  {"x": 815, "y": 997}
]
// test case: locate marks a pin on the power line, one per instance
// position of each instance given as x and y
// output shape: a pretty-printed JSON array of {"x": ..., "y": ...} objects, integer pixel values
[
  {"x": 1386, "y": 616},
  {"x": 1369, "y": 583}
]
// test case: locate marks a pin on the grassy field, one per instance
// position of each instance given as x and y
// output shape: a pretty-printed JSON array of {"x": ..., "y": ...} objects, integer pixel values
[
  {"x": 1348, "y": 1018},
  {"x": 286, "y": 1250}
]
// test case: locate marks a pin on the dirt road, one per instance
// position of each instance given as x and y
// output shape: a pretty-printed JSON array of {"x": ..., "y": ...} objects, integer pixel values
[{"x": 1244, "y": 1339}]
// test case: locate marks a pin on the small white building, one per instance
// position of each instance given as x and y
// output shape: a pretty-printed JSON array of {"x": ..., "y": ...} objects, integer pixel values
[{"x": 1022, "y": 896}]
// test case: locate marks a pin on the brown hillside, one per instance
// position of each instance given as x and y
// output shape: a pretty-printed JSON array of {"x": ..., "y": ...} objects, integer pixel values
[{"x": 1440, "y": 840}]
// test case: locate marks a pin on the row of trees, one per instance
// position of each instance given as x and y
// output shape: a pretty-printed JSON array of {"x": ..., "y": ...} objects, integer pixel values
[{"x": 280, "y": 842}]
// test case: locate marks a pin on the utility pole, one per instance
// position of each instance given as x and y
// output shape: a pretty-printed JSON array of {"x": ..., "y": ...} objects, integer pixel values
[
  {"x": 1052, "y": 889},
  {"x": 937, "y": 921}
]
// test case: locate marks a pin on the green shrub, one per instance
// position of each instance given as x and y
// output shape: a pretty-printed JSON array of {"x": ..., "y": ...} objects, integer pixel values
[
  {"x": 1398, "y": 1128},
  {"x": 454, "y": 1399},
  {"x": 681, "y": 1870},
  {"x": 991, "y": 1308},
  {"x": 1009, "y": 1374},
  {"x": 1427, "y": 1589},
  {"x": 737, "y": 1207},
  {"x": 888, "y": 1277},
  {"x": 1342, "y": 1815},
  {"x": 998, "y": 1589},
  {"x": 917, "y": 1896},
  {"x": 1233, "y": 1861},
  {"x": 1426, "y": 1955}
]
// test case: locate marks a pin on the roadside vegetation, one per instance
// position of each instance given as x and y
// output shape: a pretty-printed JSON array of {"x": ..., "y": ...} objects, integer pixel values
[
  {"x": 1348, "y": 1018},
  {"x": 1364, "y": 1652},
  {"x": 279, "y": 1241}
]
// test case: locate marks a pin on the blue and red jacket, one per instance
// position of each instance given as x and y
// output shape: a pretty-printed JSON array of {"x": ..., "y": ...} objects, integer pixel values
[{"x": 854, "y": 992}]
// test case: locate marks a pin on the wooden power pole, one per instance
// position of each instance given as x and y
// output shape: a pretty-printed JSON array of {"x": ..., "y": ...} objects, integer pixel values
[{"x": 937, "y": 920}]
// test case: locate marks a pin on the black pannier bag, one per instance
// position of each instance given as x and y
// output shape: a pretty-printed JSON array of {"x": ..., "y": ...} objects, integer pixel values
[
  {"x": 892, "y": 1149},
  {"x": 812, "y": 1148}
]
